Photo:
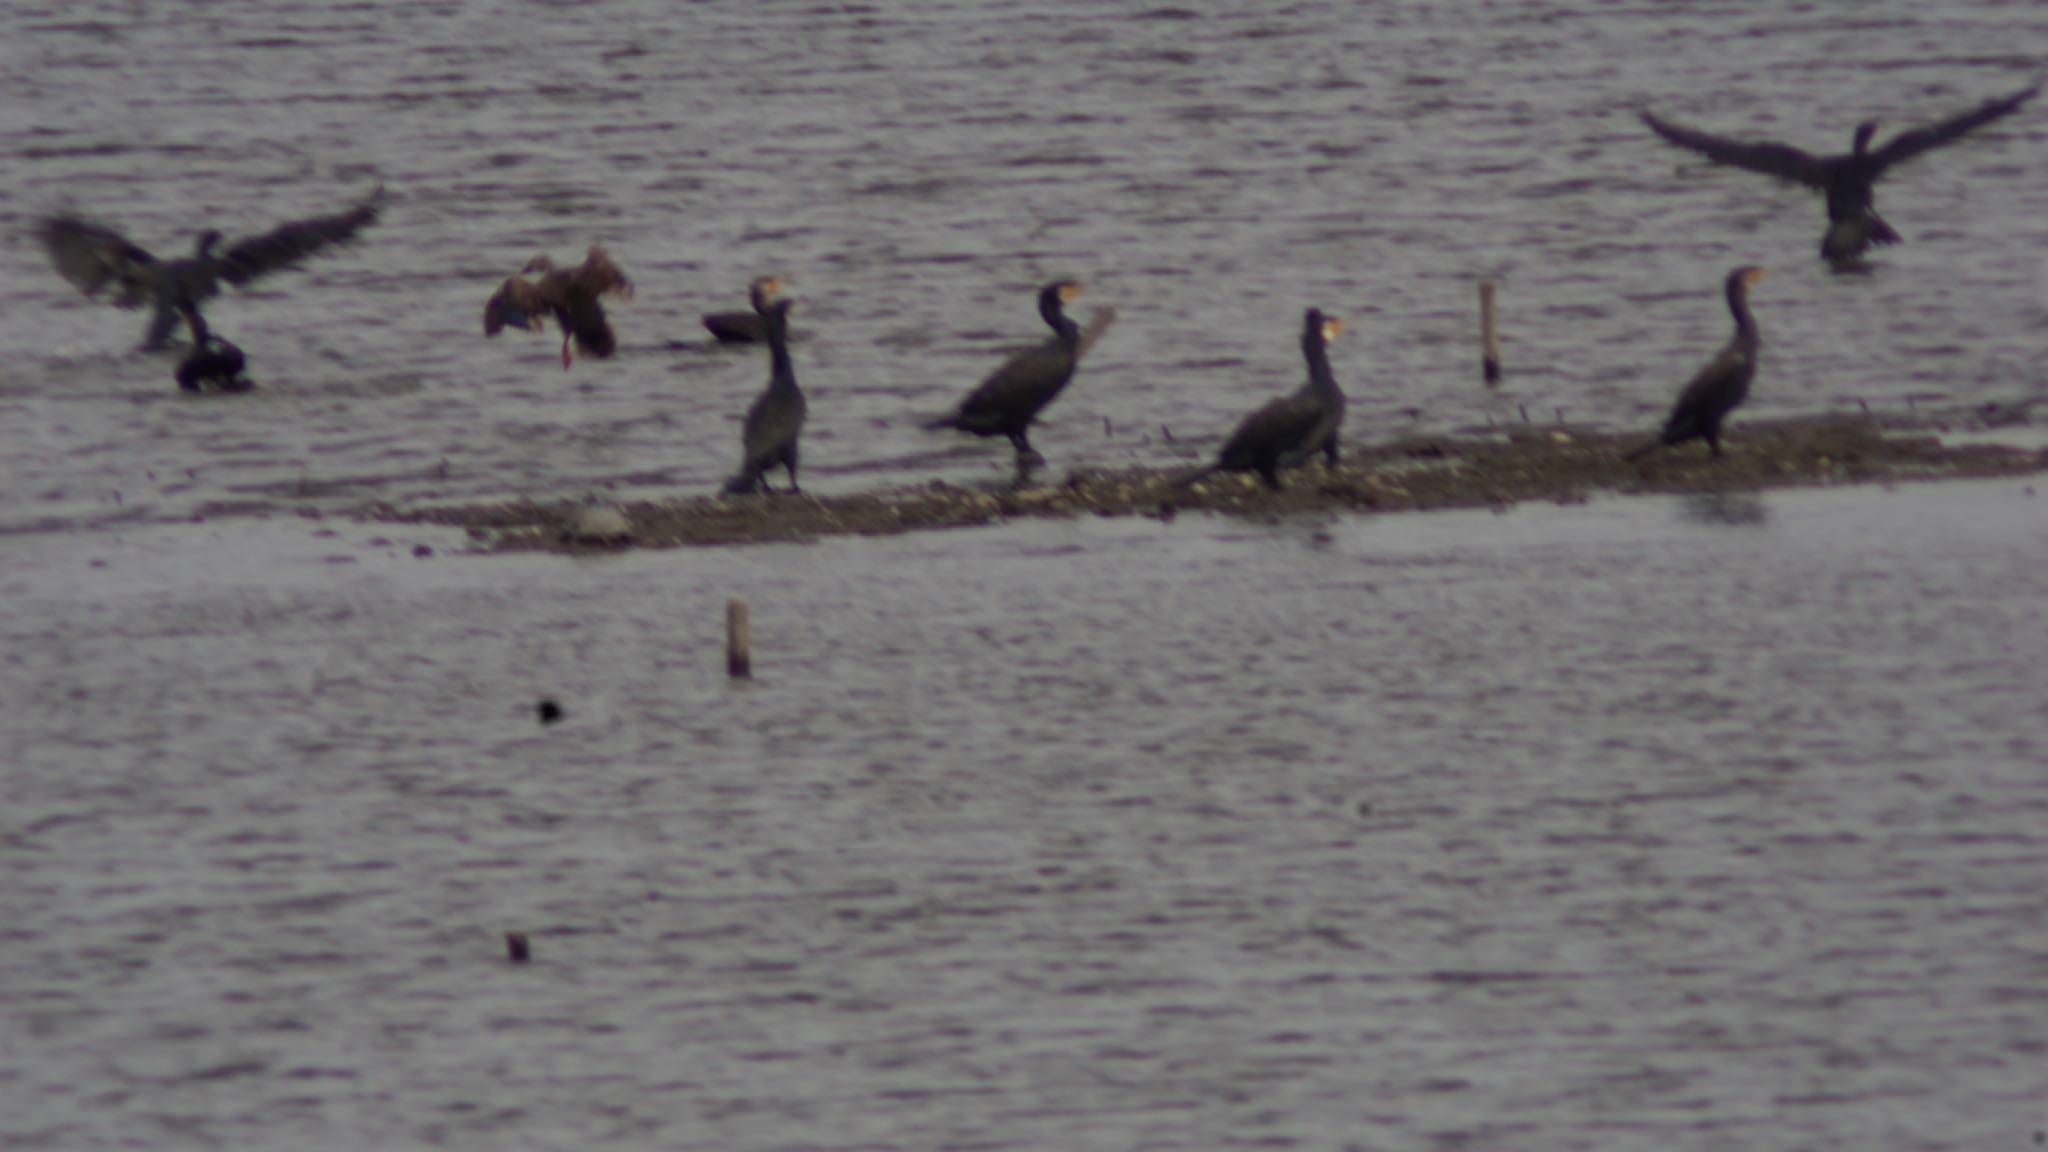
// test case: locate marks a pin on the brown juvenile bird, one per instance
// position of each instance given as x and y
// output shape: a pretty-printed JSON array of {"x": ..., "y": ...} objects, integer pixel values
[
  {"x": 95, "y": 257},
  {"x": 1722, "y": 384},
  {"x": 571, "y": 294}
]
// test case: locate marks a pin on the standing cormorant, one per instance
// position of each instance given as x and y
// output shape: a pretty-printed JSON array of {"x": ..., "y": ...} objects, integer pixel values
[
  {"x": 777, "y": 416},
  {"x": 1722, "y": 384},
  {"x": 571, "y": 294},
  {"x": 1290, "y": 430},
  {"x": 1008, "y": 401},
  {"x": 1848, "y": 179},
  {"x": 93, "y": 256}
]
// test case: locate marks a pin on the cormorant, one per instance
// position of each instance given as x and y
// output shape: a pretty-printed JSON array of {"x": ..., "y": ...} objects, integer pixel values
[
  {"x": 1008, "y": 401},
  {"x": 778, "y": 414},
  {"x": 571, "y": 294},
  {"x": 1722, "y": 384},
  {"x": 744, "y": 327},
  {"x": 213, "y": 360},
  {"x": 93, "y": 256},
  {"x": 1847, "y": 179},
  {"x": 1290, "y": 430}
]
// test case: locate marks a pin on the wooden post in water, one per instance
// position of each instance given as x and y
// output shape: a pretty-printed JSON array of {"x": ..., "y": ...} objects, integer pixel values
[
  {"x": 739, "y": 641},
  {"x": 1489, "y": 335},
  {"x": 516, "y": 948}
]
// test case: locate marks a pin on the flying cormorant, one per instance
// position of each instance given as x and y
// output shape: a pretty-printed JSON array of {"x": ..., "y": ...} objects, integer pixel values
[
  {"x": 93, "y": 256},
  {"x": 1847, "y": 179}
]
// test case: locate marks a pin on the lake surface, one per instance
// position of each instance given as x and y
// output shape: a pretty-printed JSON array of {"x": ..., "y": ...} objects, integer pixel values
[{"x": 1695, "y": 824}]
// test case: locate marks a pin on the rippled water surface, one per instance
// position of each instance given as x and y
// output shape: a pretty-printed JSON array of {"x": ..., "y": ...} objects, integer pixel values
[{"x": 1704, "y": 825}]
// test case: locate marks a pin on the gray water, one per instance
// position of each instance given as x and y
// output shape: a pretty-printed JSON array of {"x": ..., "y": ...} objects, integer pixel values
[{"x": 1645, "y": 823}]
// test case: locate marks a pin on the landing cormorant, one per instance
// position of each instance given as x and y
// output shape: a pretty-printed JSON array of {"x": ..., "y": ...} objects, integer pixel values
[
  {"x": 1008, "y": 401},
  {"x": 777, "y": 416},
  {"x": 1290, "y": 430},
  {"x": 94, "y": 257},
  {"x": 1847, "y": 179},
  {"x": 572, "y": 295},
  {"x": 1722, "y": 384}
]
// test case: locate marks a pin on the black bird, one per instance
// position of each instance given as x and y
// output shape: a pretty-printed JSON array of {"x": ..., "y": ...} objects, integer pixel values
[
  {"x": 93, "y": 257},
  {"x": 1008, "y": 401},
  {"x": 1290, "y": 430},
  {"x": 1848, "y": 179},
  {"x": 777, "y": 416},
  {"x": 212, "y": 361},
  {"x": 744, "y": 327},
  {"x": 571, "y": 295},
  {"x": 1722, "y": 384}
]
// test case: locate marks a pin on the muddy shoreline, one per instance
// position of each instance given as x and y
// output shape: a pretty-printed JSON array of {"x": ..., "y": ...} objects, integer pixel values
[{"x": 1558, "y": 464}]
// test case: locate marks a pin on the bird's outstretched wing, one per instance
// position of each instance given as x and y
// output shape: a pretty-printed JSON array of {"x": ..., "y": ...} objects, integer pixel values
[
  {"x": 1909, "y": 144},
  {"x": 287, "y": 244},
  {"x": 94, "y": 257},
  {"x": 518, "y": 302},
  {"x": 1771, "y": 159}
]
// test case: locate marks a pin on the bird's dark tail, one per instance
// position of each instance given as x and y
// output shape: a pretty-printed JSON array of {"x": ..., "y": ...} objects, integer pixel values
[{"x": 1879, "y": 232}]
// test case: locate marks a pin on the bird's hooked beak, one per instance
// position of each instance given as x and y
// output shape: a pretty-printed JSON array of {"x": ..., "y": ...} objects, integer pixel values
[
  {"x": 1331, "y": 326},
  {"x": 1752, "y": 275},
  {"x": 1070, "y": 289}
]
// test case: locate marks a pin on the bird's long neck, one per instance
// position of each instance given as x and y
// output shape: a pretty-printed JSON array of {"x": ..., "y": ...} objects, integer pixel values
[
  {"x": 1738, "y": 305},
  {"x": 1056, "y": 316},
  {"x": 1321, "y": 380},
  {"x": 781, "y": 370}
]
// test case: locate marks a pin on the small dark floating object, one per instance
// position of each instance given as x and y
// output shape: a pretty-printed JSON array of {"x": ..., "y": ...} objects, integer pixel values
[
  {"x": 1848, "y": 179},
  {"x": 549, "y": 711},
  {"x": 97, "y": 258},
  {"x": 1722, "y": 384},
  {"x": 517, "y": 950},
  {"x": 572, "y": 295}
]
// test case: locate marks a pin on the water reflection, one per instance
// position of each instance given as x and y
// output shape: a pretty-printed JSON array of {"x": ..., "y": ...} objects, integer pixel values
[{"x": 1733, "y": 509}]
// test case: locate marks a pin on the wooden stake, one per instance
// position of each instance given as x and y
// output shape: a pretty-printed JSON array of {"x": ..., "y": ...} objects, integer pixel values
[
  {"x": 1489, "y": 335},
  {"x": 739, "y": 642}
]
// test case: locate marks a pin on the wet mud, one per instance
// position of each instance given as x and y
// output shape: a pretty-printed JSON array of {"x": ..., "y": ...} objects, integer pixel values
[{"x": 1560, "y": 464}]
